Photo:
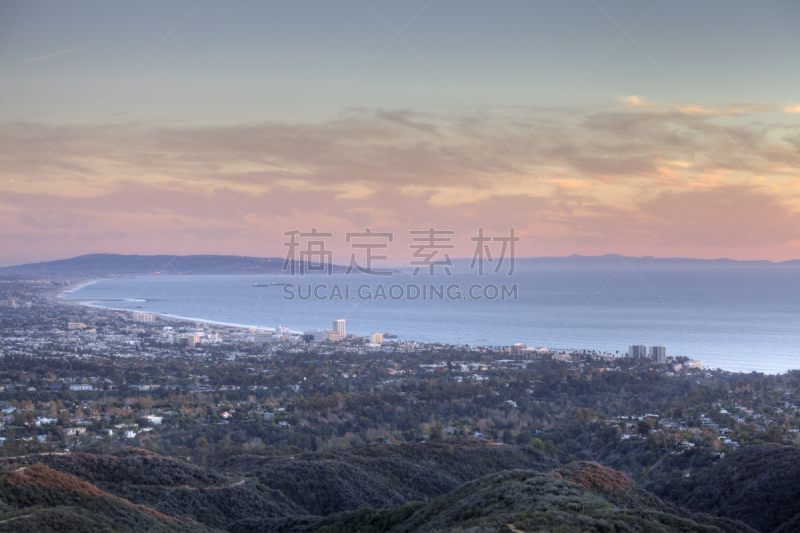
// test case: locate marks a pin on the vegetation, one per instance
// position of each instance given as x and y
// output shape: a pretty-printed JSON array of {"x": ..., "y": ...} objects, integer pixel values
[
  {"x": 757, "y": 485},
  {"x": 38, "y": 499}
]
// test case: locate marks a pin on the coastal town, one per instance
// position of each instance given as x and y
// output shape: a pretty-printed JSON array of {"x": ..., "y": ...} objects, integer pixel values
[{"x": 74, "y": 377}]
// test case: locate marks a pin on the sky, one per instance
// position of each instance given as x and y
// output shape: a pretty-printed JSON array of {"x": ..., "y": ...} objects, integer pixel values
[{"x": 669, "y": 129}]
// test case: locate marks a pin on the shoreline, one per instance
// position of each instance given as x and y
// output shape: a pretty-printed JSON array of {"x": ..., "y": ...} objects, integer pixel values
[
  {"x": 58, "y": 296},
  {"x": 55, "y": 296}
]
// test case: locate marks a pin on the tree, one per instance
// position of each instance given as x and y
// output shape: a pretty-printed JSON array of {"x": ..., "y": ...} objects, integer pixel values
[
  {"x": 24, "y": 419},
  {"x": 670, "y": 438},
  {"x": 774, "y": 434}
]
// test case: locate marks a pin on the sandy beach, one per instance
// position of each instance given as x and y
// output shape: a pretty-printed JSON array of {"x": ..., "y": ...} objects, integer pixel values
[{"x": 54, "y": 296}]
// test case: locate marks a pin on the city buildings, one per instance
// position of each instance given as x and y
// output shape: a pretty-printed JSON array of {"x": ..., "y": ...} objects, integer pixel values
[
  {"x": 376, "y": 338},
  {"x": 187, "y": 340},
  {"x": 338, "y": 326},
  {"x": 637, "y": 351},
  {"x": 659, "y": 353},
  {"x": 144, "y": 317},
  {"x": 314, "y": 335},
  {"x": 262, "y": 336}
]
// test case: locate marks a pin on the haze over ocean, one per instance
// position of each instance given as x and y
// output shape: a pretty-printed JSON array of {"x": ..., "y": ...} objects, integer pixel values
[{"x": 738, "y": 319}]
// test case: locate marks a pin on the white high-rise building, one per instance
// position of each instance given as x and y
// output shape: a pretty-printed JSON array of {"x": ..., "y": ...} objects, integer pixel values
[
  {"x": 144, "y": 317},
  {"x": 338, "y": 326},
  {"x": 659, "y": 353},
  {"x": 637, "y": 351},
  {"x": 377, "y": 338}
]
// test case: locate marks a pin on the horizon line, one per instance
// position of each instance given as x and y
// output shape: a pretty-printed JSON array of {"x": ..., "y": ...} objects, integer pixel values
[{"x": 650, "y": 257}]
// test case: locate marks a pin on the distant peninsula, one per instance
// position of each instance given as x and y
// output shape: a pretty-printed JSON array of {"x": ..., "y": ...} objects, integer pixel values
[{"x": 102, "y": 265}]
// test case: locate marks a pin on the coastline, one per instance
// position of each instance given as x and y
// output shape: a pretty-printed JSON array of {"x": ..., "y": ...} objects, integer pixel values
[
  {"x": 771, "y": 362},
  {"x": 55, "y": 296}
]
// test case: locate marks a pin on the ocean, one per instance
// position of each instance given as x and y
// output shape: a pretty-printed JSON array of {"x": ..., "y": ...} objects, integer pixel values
[{"x": 738, "y": 319}]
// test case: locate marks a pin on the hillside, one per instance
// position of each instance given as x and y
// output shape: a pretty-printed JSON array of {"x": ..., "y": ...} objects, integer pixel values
[
  {"x": 169, "y": 486},
  {"x": 38, "y": 498},
  {"x": 134, "y": 466},
  {"x": 400, "y": 488},
  {"x": 757, "y": 485},
  {"x": 118, "y": 265},
  {"x": 386, "y": 475},
  {"x": 582, "y": 497},
  {"x": 307, "y": 485}
]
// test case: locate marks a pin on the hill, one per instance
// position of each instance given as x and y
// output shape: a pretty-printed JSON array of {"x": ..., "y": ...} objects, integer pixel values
[
  {"x": 385, "y": 476},
  {"x": 582, "y": 497},
  {"x": 118, "y": 265},
  {"x": 169, "y": 486},
  {"x": 134, "y": 466},
  {"x": 302, "y": 487},
  {"x": 757, "y": 485},
  {"x": 435, "y": 486},
  {"x": 39, "y": 499}
]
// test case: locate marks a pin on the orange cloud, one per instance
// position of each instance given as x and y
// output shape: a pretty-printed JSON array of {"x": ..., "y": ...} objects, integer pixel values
[
  {"x": 580, "y": 182},
  {"x": 631, "y": 101},
  {"x": 699, "y": 111}
]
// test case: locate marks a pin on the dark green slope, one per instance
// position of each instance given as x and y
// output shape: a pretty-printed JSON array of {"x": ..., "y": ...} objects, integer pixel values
[
  {"x": 385, "y": 475},
  {"x": 268, "y": 488},
  {"x": 39, "y": 499},
  {"x": 579, "y": 498},
  {"x": 365, "y": 520},
  {"x": 171, "y": 487},
  {"x": 400, "y": 488},
  {"x": 759, "y": 485},
  {"x": 134, "y": 466},
  {"x": 532, "y": 501}
]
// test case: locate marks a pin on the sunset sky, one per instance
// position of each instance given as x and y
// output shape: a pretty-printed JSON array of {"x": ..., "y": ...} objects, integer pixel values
[{"x": 639, "y": 128}]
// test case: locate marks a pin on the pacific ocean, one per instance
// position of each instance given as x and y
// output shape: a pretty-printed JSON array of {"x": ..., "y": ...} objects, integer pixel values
[{"x": 738, "y": 319}]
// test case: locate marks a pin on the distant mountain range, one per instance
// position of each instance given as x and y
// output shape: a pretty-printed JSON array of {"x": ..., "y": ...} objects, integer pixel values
[
  {"x": 117, "y": 265},
  {"x": 615, "y": 262}
]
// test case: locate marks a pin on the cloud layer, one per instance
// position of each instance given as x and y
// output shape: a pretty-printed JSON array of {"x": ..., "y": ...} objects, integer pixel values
[{"x": 637, "y": 178}]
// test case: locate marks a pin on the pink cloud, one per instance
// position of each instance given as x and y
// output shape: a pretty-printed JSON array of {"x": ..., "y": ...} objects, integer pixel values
[{"x": 581, "y": 182}]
